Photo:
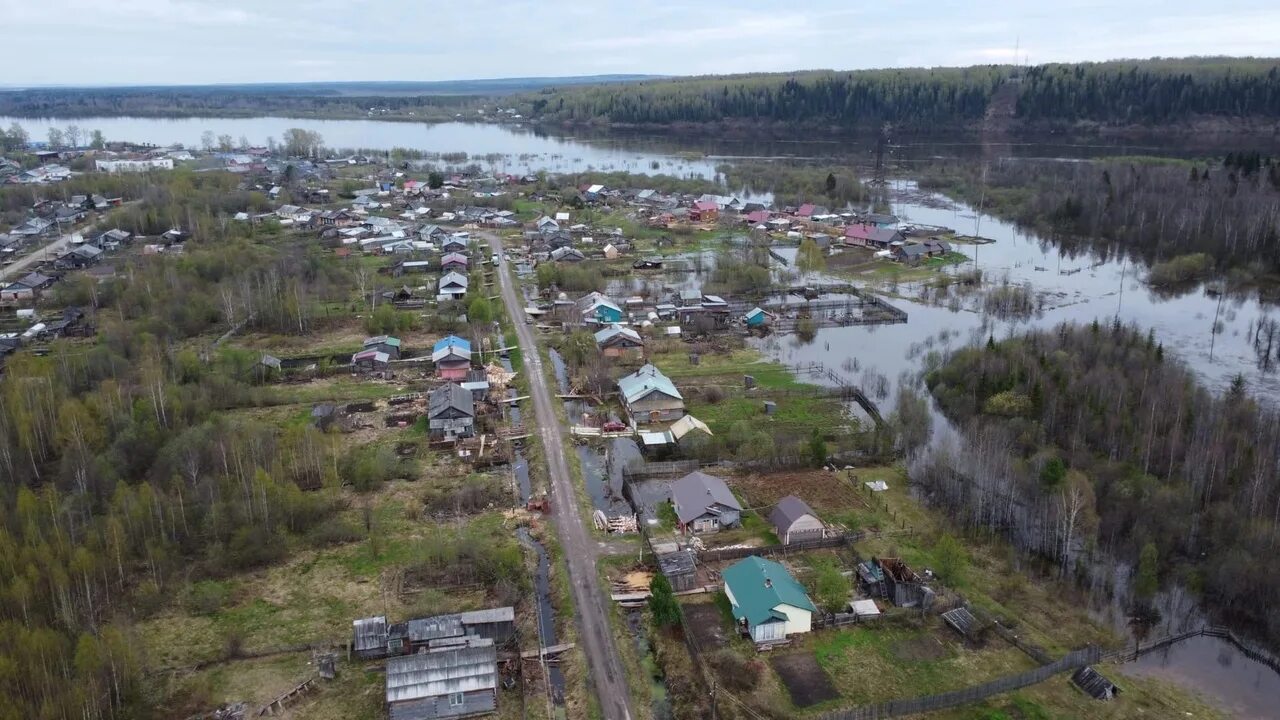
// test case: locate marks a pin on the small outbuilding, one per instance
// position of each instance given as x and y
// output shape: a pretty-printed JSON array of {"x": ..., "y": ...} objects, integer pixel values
[{"x": 794, "y": 521}]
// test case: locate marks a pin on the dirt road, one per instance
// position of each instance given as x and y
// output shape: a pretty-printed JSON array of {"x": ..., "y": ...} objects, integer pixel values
[
  {"x": 591, "y": 611},
  {"x": 48, "y": 252}
]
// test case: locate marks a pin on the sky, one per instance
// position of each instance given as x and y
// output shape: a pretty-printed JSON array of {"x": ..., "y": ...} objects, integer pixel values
[{"x": 134, "y": 42}]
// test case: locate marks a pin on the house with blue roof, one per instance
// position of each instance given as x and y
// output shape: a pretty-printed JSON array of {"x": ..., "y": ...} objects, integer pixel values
[
  {"x": 598, "y": 307},
  {"x": 452, "y": 358},
  {"x": 758, "y": 317},
  {"x": 650, "y": 397},
  {"x": 767, "y": 602}
]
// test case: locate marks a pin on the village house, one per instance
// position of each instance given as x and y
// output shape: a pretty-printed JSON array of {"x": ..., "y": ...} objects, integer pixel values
[
  {"x": 337, "y": 218},
  {"x": 370, "y": 361},
  {"x": 650, "y": 397},
  {"x": 386, "y": 344},
  {"x": 454, "y": 262},
  {"x": 794, "y": 521},
  {"x": 454, "y": 243},
  {"x": 758, "y": 318},
  {"x": 908, "y": 252},
  {"x": 452, "y": 358},
  {"x": 25, "y": 289},
  {"x": 617, "y": 341},
  {"x": 112, "y": 239},
  {"x": 767, "y": 602},
  {"x": 880, "y": 220},
  {"x": 704, "y": 211},
  {"x": 936, "y": 247},
  {"x": 597, "y": 307},
  {"x": 567, "y": 254},
  {"x": 871, "y": 236},
  {"x": 451, "y": 682},
  {"x": 704, "y": 504},
  {"x": 79, "y": 257},
  {"x": 451, "y": 412},
  {"x": 408, "y": 267},
  {"x": 452, "y": 286}
]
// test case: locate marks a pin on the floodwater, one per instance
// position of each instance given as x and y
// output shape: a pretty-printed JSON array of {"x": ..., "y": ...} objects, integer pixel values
[
  {"x": 546, "y": 613},
  {"x": 1216, "y": 670},
  {"x": 1083, "y": 288},
  {"x": 501, "y": 148}
]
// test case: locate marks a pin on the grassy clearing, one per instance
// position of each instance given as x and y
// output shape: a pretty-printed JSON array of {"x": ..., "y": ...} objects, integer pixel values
[
  {"x": 873, "y": 664},
  {"x": 795, "y": 413}
]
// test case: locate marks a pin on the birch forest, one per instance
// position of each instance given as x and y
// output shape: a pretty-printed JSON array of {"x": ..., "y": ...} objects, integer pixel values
[{"x": 1091, "y": 438}]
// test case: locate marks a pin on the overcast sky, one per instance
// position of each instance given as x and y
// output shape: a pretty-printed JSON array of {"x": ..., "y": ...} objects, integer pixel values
[{"x": 128, "y": 42}]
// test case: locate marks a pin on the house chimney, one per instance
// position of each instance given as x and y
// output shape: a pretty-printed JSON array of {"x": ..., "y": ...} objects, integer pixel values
[{"x": 768, "y": 582}]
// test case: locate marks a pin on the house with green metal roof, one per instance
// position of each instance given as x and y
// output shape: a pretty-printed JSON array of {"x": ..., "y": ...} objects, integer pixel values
[
  {"x": 384, "y": 343},
  {"x": 651, "y": 397},
  {"x": 768, "y": 604}
]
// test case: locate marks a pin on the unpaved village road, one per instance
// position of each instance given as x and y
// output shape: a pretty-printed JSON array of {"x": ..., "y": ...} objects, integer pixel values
[
  {"x": 591, "y": 612},
  {"x": 48, "y": 252}
]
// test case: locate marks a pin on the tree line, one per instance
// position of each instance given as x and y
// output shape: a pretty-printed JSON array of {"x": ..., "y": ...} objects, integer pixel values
[
  {"x": 909, "y": 97},
  {"x": 1151, "y": 209},
  {"x": 1088, "y": 437},
  {"x": 1150, "y": 92}
]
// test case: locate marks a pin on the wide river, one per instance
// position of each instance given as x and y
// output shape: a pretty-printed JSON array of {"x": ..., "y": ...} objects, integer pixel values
[{"x": 1082, "y": 288}]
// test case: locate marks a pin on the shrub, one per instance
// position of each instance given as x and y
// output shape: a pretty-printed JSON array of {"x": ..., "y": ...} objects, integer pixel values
[
  {"x": 207, "y": 597},
  {"x": 1181, "y": 269}
]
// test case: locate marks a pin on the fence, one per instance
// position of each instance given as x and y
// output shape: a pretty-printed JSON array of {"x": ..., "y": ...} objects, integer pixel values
[
  {"x": 1246, "y": 648},
  {"x": 929, "y": 703},
  {"x": 733, "y": 553}
]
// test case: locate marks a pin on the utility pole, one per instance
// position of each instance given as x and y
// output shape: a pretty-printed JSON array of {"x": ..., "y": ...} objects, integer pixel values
[{"x": 713, "y": 700}]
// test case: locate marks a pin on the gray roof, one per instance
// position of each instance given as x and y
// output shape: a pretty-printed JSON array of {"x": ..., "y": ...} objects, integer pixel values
[
  {"x": 490, "y": 615},
  {"x": 679, "y": 562},
  {"x": 369, "y": 633},
  {"x": 433, "y": 674},
  {"x": 645, "y": 381},
  {"x": 788, "y": 510},
  {"x": 448, "y": 396},
  {"x": 697, "y": 491},
  {"x": 434, "y": 628}
]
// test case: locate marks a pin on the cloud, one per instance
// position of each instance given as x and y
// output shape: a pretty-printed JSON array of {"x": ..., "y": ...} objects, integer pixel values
[{"x": 229, "y": 41}]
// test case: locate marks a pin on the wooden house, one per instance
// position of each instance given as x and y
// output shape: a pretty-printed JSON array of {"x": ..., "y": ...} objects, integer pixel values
[
  {"x": 384, "y": 343},
  {"x": 617, "y": 341},
  {"x": 451, "y": 413},
  {"x": 767, "y": 602},
  {"x": 452, "y": 358},
  {"x": 370, "y": 361},
  {"x": 704, "y": 504},
  {"x": 649, "y": 396},
  {"x": 453, "y": 682}
]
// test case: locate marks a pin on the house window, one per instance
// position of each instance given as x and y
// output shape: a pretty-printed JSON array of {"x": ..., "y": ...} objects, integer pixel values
[{"x": 456, "y": 700}]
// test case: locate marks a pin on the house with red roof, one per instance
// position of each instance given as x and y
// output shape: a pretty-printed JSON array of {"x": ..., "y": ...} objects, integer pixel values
[{"x": 704, "y": 211}]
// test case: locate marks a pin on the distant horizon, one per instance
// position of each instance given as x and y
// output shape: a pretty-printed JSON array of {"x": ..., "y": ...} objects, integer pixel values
[{"x": 586, "y": 79}]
